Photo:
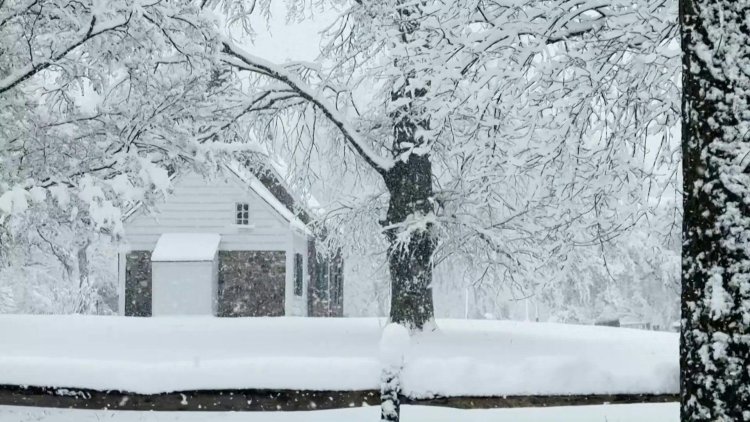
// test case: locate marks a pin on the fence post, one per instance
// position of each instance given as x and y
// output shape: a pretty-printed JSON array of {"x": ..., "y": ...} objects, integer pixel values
[{"x": 393, "y": 346}]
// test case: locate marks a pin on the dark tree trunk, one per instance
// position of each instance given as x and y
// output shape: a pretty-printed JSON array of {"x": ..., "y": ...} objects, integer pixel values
[
  {"x": 715, "y": 334},
  {"x": 411, "y": 245},
  {"x": 409, "y": 183},
  {"x": 407, "y": 224}
]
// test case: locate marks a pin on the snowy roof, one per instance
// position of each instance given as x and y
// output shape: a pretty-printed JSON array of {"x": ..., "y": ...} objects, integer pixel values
[
  {"x": 279, "y": 168},
  {"x": 186, "y": 247},
  {"x": 252, "y": 181}
]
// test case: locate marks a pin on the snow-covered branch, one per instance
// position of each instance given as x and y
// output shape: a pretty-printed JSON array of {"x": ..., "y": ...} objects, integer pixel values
[
  {"x": 93, "y": 30},
  {"x": 241, "y": 59}
]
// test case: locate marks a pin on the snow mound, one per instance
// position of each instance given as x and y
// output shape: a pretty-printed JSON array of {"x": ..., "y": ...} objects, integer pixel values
[
  {"x": 393, "y": 345},
  {"x": 462, "y": 358}
]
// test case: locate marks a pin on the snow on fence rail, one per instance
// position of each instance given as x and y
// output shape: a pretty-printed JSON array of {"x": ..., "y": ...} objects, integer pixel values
[{"x": 297, "y": 361}]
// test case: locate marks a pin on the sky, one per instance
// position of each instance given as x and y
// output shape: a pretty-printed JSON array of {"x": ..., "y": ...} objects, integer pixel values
[{"x": 280, "y": 41}]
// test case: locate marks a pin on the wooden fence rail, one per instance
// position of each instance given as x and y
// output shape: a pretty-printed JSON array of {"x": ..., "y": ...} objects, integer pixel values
[{"x": 287, "y": 400}]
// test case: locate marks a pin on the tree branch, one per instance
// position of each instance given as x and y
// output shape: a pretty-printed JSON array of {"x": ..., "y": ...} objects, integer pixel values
[
  {"x": 236, "y": 57},
  {"x": 28, "y": 71}
]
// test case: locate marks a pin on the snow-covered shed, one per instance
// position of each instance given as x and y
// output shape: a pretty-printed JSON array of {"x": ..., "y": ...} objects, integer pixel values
[{"x": 232, "y": 245}]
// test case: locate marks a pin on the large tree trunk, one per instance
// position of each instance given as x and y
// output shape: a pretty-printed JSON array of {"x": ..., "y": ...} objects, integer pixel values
[
  {"x": 409, "y": 183},
  {"x": 715, "y": 335},
  {"x": 411, "y": 242},
  {"x": 408, "y": 223}
]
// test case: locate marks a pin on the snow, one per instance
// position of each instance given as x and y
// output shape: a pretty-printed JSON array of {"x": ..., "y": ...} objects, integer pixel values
[
  {"x": 721, "y": 301},
  {"x": 394, "y": 343},
  {"x": 14, "y": 201},
  {"x": 173, "y": 247},
  {"x": 464, "y": 357},
  {"x": 663, "y": 412}
]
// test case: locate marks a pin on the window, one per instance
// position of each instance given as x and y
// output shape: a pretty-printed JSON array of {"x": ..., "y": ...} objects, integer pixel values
[
  {"x": 243, "y": 214},
  {"x": 298, "y": 274},
  {"x": 335, "y": 301}
]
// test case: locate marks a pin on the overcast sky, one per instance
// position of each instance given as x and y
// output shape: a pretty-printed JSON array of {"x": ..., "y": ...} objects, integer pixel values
[{"x": 280, "y": 41}]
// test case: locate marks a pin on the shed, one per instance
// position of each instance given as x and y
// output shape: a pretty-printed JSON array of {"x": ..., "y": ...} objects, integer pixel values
[{"x": 185, "y": 270}]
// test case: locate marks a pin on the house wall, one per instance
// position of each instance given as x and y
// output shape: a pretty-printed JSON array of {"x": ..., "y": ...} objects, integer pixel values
[{"x": 198, "y": 205}]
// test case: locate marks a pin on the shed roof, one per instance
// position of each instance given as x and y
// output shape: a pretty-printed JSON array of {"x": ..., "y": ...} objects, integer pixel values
[{"x": 183, "y": 247}]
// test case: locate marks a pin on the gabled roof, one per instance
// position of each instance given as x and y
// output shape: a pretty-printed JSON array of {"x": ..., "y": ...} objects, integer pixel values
[
  {"x": 254, "y": 183},
  {"x": 268, "y": 186}
]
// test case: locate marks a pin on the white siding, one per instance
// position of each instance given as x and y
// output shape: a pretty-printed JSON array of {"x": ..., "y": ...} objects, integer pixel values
[{"x": 198, "y": 205}]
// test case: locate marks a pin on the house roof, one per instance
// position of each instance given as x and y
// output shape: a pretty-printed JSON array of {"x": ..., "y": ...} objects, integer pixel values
[
  {"x": 269, "y": 197},
  {"x": 183, "y": 247},
  {"x": 269, "y": 187}
]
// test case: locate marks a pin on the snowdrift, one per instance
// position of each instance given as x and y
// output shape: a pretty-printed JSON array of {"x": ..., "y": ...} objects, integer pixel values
[{"x": 462, "y": 358}]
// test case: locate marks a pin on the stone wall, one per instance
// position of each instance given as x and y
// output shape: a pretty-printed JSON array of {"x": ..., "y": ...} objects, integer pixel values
[
  {"x": 251, "y": 283},
  {"x": 138, "y": 283}
]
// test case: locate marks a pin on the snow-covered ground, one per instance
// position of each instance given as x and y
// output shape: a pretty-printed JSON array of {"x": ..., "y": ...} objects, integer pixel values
[
  {"x": 464, "y": 357},
  {"x": 668, "y": 412}
]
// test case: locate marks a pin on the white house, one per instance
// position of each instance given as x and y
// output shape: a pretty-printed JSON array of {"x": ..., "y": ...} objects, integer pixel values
[{"x": 227, "y": 246}]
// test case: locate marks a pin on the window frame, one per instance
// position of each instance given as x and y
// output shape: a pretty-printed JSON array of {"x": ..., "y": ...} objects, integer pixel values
[
  {"x": 242, "y": 214},
  {"x": 298, "y": 275}
]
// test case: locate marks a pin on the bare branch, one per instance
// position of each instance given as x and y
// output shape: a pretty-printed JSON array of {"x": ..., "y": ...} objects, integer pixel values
[
  {"x": 94, "y": 30},
  {"x": 235, "y": 56}
]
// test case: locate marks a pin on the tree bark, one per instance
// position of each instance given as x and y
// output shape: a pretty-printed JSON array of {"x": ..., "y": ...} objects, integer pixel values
[
  {"x": 409, "y": 182},
  {"x": 411, "y": 245},
  {"x": 715, "y": 333}
]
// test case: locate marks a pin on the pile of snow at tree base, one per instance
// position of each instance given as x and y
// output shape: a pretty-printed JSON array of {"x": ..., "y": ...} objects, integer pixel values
[
  {"x": 663, "y": 412},
  {"x": 461, "y": 358}
]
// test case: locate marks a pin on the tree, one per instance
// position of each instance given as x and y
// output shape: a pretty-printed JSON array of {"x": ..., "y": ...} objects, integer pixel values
[
  {"x": 57, "y": 266},
  {"x": 715, "y": 339},
  {"x": 502, "y": 132},
  {"x": 99, "y": 103},
  {"x": 635, "y": 277},
  {"x": 505, "y": 133}
]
